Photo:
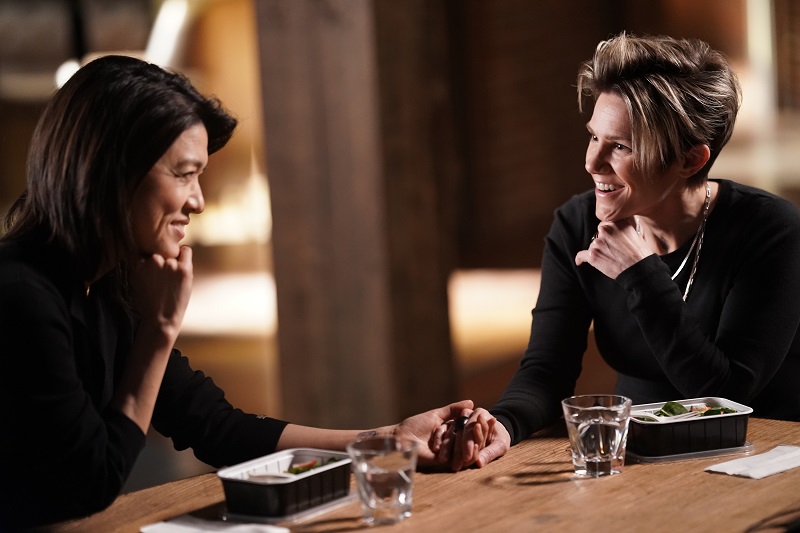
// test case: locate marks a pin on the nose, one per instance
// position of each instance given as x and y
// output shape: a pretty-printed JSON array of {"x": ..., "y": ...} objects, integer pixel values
[
  {"x": 195, "y": 202},
  {"x": 595, "y": 159}
]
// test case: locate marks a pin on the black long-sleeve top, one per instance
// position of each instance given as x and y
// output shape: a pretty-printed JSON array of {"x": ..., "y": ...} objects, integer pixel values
[
  {"x": 64, "y": 453},
  {"x": 735, "y": 337}
]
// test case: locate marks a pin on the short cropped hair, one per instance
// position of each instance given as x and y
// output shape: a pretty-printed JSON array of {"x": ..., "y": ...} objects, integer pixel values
[{"x": 679, "y": 93}]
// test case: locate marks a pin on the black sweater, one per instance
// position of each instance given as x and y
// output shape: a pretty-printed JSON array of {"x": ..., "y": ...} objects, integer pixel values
[
  {"x": 735, "y": 337},
  {"x": 64, "y": 453}
]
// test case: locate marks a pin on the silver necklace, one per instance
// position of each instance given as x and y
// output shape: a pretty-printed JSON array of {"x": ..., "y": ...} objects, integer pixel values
[{"x": 698, "y": 240}]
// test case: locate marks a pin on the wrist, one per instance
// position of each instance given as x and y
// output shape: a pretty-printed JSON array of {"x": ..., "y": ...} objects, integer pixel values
[
  {"x": 381, "y": 432},
  {"x": 156, "y": 336}
]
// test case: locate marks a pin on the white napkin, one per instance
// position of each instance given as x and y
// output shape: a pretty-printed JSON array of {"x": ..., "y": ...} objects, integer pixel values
[
  {"x": 778, "y": 459},
  {"x": 190, "y": 524}
]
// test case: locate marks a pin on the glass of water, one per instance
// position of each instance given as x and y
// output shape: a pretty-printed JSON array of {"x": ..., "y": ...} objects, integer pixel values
[
  {"x": 384, "y": 470},
  {"x": 598, "y": 432}
]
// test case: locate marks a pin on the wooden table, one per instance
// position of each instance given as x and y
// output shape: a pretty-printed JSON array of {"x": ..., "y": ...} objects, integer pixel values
[{"x": 530, "y": 489}]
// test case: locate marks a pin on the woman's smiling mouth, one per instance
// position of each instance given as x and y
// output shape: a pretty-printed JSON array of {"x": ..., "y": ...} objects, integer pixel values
[{"x": 607, "y": 187}]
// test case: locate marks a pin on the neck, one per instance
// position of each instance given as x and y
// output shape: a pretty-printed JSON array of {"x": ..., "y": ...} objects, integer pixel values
[{"x": 676, "y": 222}]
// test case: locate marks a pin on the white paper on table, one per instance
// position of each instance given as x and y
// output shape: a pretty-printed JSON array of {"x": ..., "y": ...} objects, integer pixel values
[
  {"x": 190, "y": 524},
  {"x": 779, "y": 459}
]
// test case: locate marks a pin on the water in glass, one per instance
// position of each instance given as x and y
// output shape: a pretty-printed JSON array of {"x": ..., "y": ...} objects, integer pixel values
[{"x": 598, "y": 429}]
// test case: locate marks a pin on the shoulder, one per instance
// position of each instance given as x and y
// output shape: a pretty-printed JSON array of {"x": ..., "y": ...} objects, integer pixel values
[
  {"x": 749, "y": 203},
  {"x": 754, "y": 221},
  {"x": 30, "y": 275},
  {"x": 19, "y": 262}
]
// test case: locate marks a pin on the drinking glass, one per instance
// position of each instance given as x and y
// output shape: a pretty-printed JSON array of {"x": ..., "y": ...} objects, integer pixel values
[
  {"x": 384, "y": 470},
  {"x": 598, "y": 432}
]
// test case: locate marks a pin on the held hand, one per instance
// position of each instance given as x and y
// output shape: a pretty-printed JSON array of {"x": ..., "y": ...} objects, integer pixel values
[
  {"x": 615, "y": 247},
  {"x": 481, "y": 440},
  {"x": 424, "y": 428},
  {"x": 161, "y": 289}
]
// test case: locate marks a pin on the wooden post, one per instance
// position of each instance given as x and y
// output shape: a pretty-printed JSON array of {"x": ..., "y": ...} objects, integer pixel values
[{"x": 353, "y": 155}]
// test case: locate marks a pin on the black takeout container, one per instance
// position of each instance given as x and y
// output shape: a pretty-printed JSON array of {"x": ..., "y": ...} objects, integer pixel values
[
  {"x": 263, "y": 488},
  {"x": 690, "y": 436}
]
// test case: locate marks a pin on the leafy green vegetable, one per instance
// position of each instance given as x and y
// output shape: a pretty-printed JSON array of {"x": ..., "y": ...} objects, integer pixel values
[{"x": 672, "y": 409}]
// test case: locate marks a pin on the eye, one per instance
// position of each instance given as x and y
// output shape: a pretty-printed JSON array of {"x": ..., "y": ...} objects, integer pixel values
[
  {"x": 189, "y": 174},
  {"x": 618, "y": 146}
]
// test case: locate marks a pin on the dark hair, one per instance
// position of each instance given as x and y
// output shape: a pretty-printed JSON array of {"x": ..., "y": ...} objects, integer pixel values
[
  {"x": 97, "y": 138},
  {"x": 679, "y": 93}
]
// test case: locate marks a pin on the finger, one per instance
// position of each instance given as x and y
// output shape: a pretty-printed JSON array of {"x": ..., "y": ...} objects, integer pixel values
[
  {"x": 475, "y": 446},
  {"x": 185, "y": 255},
  {"x": 158, "y": 259},
  {"x": 443, "y": 457},
  {"x": 468, "y": 446},
  {"x": 629, "y": 222},
  {"x": 481, "y": 435},
  {"x": 474, "y": 434},
  {"x": 453, "y": 410},
  {"x": 457, "y": 459},
  {"x": 437, "y": 437},
  {"x": 490, "y": 430},
  {"x": 481, "y": 430},
  {"x": 490, "y": 453},
  {"x": 185, "y": 259}
]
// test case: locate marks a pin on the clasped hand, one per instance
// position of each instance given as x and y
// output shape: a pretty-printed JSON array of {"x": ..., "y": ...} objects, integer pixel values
[
  {"x": 615, "y": 247},
  {"x": 443, "y": 439},
  {"x": 474, "y": 438},
  {"x": 161, "y": 289}
]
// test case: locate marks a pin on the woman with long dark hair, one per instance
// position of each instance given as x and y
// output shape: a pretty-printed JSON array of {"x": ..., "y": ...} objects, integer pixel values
[{"x": 94, "y": 283}]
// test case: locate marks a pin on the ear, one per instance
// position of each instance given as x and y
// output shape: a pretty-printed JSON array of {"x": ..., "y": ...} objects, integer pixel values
[{"x": 697, "y": 157}]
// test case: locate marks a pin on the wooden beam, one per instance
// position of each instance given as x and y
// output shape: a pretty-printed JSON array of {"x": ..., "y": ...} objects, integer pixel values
[{"x": 362, "y": 307}]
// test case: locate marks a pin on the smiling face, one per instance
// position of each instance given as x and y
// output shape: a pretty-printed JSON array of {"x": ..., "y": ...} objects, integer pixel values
[
  {"x": 621, "y": 189},
  {"x": 169, "y": 193}
]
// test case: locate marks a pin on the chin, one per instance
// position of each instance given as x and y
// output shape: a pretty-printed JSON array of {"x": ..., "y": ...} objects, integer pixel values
[
  {"x": 168, "y": 252},
  {"x": 608, "y": 216}
]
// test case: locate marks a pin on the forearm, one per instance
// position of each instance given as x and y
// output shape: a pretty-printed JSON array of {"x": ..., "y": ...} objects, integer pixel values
[
  {"x": 136, "y": 394},
  {"x": 295, "y": 436},
  {"x": 552, "y": 361}
]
